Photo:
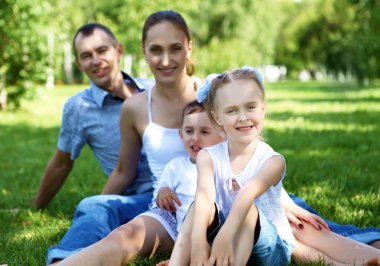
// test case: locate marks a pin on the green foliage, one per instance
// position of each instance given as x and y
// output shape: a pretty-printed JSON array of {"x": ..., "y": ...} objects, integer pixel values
[
  {"x": 328, "y": 134},
  {"x": 23, "y": 44},
  {"x": 335, "y": 37},
  {"x": 339, "y": 37}
]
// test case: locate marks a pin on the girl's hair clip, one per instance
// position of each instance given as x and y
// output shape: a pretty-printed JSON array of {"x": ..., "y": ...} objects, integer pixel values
[
  {"x": 202, "y": 92},
  {"x": 257, "y": 72}
]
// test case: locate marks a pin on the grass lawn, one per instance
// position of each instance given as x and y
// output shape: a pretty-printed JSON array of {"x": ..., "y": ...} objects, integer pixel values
[{"x": 328, "y": 133}]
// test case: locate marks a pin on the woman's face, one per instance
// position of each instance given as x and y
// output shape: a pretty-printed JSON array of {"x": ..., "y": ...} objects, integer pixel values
[{"x": 166, "y": 49}]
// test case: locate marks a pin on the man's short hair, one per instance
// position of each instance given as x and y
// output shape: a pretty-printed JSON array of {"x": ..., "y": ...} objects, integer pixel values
[{"x": 88, "y": 29}]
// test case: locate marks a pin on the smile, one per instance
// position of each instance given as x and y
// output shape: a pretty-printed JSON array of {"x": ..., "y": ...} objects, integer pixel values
[
  {"x": 167, "y": 70},
  {"x": 195, "y": 148},
  {"x": 245, "y": 128},
  {"x": 100, "y": 71}
]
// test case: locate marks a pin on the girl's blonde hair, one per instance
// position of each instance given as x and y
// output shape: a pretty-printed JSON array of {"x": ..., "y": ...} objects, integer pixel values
[{"x": 226, "y": 78}]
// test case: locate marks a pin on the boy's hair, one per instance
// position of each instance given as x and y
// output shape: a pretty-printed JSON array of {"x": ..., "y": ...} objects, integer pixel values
[
  {"x": 223, "y": 79},
  {"x": 191, "y": 108},
  {"x": 89, "y": 28}
]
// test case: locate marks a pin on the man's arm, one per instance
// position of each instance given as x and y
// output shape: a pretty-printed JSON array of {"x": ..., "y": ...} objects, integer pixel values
[{"x": 56, "y": 172}]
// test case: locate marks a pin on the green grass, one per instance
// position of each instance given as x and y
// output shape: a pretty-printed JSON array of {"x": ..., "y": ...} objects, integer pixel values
[{"x": 328, "y": 134}]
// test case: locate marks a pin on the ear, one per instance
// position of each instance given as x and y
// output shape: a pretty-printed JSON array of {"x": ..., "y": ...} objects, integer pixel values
[
  {"x": 264, "y": 109},
  {"x": 143, "y": 50},
  {"x": 190, "y": 49},
  {"x": 180, "y": 133},
  {"x": 77, "y": 64},
  {"x": 120, "y": 49}
]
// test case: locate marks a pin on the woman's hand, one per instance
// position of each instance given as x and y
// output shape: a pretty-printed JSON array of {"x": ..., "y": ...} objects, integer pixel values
[
  {"x": 166, "y": 198},
  {"x": 296, "y": 215}
]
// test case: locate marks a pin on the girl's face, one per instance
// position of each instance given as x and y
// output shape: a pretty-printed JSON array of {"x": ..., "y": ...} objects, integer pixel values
[
  {"x": 197, "y": 132},
  {"x": 240, "y": 110},
  {"x": 166, "y": 49}
]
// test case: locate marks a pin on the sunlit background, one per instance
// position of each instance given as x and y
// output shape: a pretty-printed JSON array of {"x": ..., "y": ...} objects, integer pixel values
[{"x": 310, "y": 39}]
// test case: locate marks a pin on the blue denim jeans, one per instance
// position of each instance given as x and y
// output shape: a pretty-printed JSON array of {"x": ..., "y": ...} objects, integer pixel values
[
  {"x": 364, "y": 235},
  {"x": 94, "y": 218}
]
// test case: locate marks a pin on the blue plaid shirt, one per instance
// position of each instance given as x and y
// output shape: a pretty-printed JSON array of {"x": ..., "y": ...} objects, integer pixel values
[{"x": 92, "y": 117}]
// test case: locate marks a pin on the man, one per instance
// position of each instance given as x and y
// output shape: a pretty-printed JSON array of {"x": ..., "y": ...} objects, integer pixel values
[{"x": 92, "y": 117}]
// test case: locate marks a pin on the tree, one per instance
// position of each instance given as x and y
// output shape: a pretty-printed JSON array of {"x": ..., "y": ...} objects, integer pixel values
[{"x": 23, "y": 46}]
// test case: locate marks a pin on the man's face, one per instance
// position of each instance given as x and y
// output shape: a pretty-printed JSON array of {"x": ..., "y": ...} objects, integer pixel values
[{"x": 98, "y": 57}]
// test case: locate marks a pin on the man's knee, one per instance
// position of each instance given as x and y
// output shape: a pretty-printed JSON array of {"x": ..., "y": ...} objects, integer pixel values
[{"x": 89, "y": 203}]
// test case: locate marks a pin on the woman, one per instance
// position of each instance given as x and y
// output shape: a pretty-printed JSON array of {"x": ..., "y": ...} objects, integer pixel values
[{"x": 167, "y": 48}]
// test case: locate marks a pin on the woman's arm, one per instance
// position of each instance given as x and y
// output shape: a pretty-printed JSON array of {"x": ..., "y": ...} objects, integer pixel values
[
  {"x": 130, "y": 149},
  {"x": 296, "y": 215}
]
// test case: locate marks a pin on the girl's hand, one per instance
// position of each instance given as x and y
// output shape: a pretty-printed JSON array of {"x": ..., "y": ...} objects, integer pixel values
[
  {"x": 297, "y": 214},
  {"x": 200, "y": 253},
  {"x": 222, "y": 252},
  {"x": 166, "y": 198}
]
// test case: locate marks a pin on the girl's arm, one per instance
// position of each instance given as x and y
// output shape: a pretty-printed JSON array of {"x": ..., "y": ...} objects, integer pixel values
[
  {"x": 203, "y": 208},
  {"x": 269, "y": 175},
  {"x": 130, "y": 149}
]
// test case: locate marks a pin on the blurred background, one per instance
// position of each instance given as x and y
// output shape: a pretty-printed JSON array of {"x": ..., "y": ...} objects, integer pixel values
[{"x": 288, "y": 39}]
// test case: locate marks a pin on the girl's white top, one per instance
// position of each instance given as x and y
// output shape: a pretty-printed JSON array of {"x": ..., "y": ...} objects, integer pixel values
[{"x": 269, "y": 202}]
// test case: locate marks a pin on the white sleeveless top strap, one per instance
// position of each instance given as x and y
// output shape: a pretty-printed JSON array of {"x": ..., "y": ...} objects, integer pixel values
[{"x": 160, "y": 144}]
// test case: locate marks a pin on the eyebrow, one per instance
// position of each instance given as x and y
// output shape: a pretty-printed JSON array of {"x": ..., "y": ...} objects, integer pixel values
[{"x": 173, "y": 44}]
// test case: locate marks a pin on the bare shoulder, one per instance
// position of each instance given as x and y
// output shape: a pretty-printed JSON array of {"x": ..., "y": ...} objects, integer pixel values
[
  {"x": 204, "y": 158},
  {"x": 135, "y": 110}
]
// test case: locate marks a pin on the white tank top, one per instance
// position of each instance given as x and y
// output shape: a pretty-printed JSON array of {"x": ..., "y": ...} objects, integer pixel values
[
  {"x": 269, "y": 202},
  {"x": 160, "y": 144}
]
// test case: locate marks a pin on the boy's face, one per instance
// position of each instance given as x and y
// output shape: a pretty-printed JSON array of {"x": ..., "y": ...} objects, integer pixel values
[{"x": 197, "y": 132}]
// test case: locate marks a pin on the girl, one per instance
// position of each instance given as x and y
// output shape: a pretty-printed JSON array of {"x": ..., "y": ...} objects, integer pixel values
[
  {"x": 241, "y": 171},
  {"x": 235, "y": 103}
]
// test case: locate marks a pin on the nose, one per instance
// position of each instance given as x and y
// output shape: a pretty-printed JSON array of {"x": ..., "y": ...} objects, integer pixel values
[
  {"x": 242, "y": 116},
  {"x": 195, "y": 138},
  {"x": 95, "y": 59},
  {"x": 165, "y": 59}
]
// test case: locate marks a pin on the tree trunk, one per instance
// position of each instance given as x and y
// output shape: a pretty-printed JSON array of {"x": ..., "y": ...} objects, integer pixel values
[{"x": 3, "y": 90}]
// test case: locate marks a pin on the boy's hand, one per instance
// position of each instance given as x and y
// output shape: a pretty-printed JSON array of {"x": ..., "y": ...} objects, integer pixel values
[{"x": 166, "y": 198}]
